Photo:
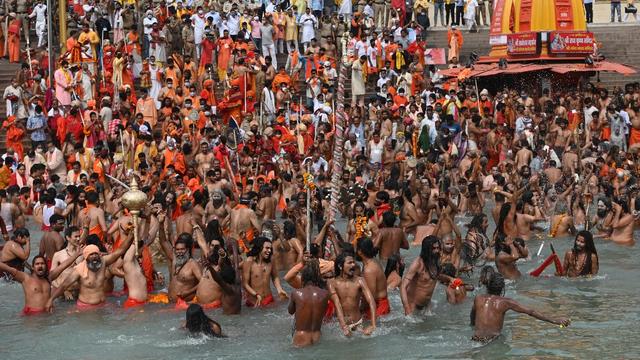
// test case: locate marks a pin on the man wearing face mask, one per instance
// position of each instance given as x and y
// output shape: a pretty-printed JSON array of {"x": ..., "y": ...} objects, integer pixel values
[
  {"x": 148, "y": 23},
  {"x": 91, "y": 276},
  {"x": 199, "y": 22},
  {"x": 147, "y": 107}
]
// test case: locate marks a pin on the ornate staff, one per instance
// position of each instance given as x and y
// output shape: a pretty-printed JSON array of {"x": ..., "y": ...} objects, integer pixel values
[
  {"x": 310, "y": 186},
  {"x": 338, "y": 144},
  {"x": 134, "y": 200}
]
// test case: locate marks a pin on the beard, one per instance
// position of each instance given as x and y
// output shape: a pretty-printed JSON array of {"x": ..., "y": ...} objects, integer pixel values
[
  {"x": 181, "y": 260},
  {"x": 602, "y": 213},
  {"x": 217, "y": 203},
  {"x": 94, "y": 265}
]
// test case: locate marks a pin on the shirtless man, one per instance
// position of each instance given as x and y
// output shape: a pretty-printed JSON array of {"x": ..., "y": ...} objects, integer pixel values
[
  {"x": 360, "y": 225},
  {"x": 289, "y": 249},
  {"x": 51, "y": 240},
  {"x": 135, "y": 279},
  {"x": 257, "y": 274},
  {"x": 456, "y": 289},
  {"x": 184, "y": 222},
  {"x": 266, "y": 208},
  {"x": 603, "y": 218},
  {"x": 16, "y": 251},
  {"x": 507, "y": 253},
  {"x": 553, "y": 173},
  {"x": 487, "y": 313},
  {"x": 525, "y": 221},
  {"x": 347, "y": 292},
  {"x": 309, "y": 305},
  {"x": 184, "y": 272},
  {"x": 450, "y": 252},
  {"x": 225, "y": 277},
  {"x": 73, "y": 238},
  {"x": 390, "y": 239},
  {"x": 582, "y": 259},
  {"x": 209, "y": 291},
  {"x": 374, "y": 276},
  {"x": 204, "y": 159},
  {"x": 91, "y": 275},
  {"x": 218, "y": 209},
  {"x": 243, "y": 222},
  {"x": 622, "y": 224},
  {"x": 97, "y": 223},
  {"x": 37, "y": 285},
  {"x": 563, "y": 136},
  {"x": 422, "y": 276}
]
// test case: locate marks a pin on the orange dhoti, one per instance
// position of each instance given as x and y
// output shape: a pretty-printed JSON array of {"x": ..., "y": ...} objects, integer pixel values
[
  {"x": 14, "y": 41},
  {"x": 131, "y": 303},
  {"x": 266, "y": 301},
  {"x": 634, "y": 137},
  {"x": 382, "y": 308}
]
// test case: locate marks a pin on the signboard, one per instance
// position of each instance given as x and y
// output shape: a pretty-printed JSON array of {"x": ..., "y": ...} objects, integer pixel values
[
  {"x": 523, "y": 44},
  {"x": 570, "y": 42}
]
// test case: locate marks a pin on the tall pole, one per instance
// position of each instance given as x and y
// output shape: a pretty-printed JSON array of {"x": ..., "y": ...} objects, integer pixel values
[
  {"x": 338, "y": 144},
  {"x": 50, "y": 41},
  {"x": 62, "y": 23}
]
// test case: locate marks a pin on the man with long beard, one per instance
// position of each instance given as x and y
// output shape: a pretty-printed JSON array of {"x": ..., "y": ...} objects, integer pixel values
[
  {"x": 258, "y": 272},
  {"x": 91, "y": 275},
  {"x": 582, "y": 259},
  {"x": 603, "y": 218},
  {"x": 37, "y": 285},
  {"x": 422, "y": 276},
  {"x": 185, "y": 273}
]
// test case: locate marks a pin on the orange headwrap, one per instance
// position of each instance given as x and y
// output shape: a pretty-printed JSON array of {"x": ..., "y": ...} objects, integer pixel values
[{"x": 82, "y": 267}]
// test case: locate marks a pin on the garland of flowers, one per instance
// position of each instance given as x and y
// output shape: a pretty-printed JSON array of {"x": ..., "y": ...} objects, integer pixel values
[
  {"x": 308, "y": 181},
  {"x": 556, "y": 226},
  {"x": 361, "y": 226}
]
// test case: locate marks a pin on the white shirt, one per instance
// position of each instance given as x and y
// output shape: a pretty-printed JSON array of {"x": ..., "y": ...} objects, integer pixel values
[
  {"x": 146, "y": 22},
  {"x": 40, "y": 13}
]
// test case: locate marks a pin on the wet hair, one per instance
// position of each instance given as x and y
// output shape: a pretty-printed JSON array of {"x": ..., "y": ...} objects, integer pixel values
[
  {"x": 389, "y": 219},
  {"x": 311, "y": 274},
  {"x": 504, "y": 211},
  {"x": 394, "y": 263},
  {"x": 213, "y": 232},
  {"x": 338, "y": 265},
  {"x": 449, "y": 269},
  {"x": 70, "y": 230},
  {"x": 495, "y": 284},
  {"x": 365, "y": 246},
  {"x": 55, "y": 218},
  {"x": 227, "y": 272},
  {"x": 500, "y": 244},
  {"x": 94, "y": 239},
  {"x": 258, "y": 245},
  {"x": 289, "y": 229},
  {"x": 21, "y": 232},
  {"x": 92, "y": 197},
  {"x": 199, "y": 323},
  {"x": 485, "y": 274},
  {"x": 476, "y": 223},
  {"x": 186, "y": 239},
  {"x": 589, "y": 248},
  {"x": 431, "y": 262}
]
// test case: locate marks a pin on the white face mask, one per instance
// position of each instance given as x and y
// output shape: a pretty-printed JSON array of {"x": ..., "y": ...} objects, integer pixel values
[
  {"x": 169, "y": 86},
  {"x": 150, "y": 16}
]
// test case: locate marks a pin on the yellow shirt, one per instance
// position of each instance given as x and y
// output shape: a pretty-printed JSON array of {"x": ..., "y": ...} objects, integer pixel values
[
  {"x": 92, "y": 38},
  {"x": 425, "y": 4}
]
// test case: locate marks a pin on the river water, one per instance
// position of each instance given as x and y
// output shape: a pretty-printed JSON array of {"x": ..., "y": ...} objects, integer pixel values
[{"x": 604, "y": 311}]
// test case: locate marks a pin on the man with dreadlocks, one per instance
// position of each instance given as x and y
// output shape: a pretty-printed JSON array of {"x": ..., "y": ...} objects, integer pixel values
[
  {"x": 421, "y": 278},
  {"x": 309, "y": 305},
  {"x": 582, "y": 259},
  {"x": 507, "y": 253},
  {"x": 487, "y": 313}
]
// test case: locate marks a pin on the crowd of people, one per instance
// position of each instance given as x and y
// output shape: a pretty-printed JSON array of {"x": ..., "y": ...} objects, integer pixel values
[{"x": 225, "y": 115}]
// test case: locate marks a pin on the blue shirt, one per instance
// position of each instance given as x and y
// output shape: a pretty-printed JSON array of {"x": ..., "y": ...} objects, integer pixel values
[{"x": 37, "y": 122}]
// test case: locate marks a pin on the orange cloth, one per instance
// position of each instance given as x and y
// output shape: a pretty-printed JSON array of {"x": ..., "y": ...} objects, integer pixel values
[
  {"x": 82, "y": 306},
  {"x": 382, "y": 308},
  {"x": 14, "y": 41},
  {"x": 131, "y": 302},
  {"x": 212, "y": 305},
  {"x": 331, "y": 308},
  {"x": 82, "y": 267},
  {"x": 456, "y": 283},
  {"x": 606, "y": 134},
  {"x": 14, "y": 136},
  {"x": 159, "y": 298},
  {"x": 634, "y": 137},
  {"x": 266, "y": 301},
  {"x": 26, "y": 311},
  {"x": 181, "y": 304}
]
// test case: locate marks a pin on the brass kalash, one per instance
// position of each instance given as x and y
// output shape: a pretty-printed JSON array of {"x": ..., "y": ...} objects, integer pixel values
[{"x": 134, "y": 200}]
